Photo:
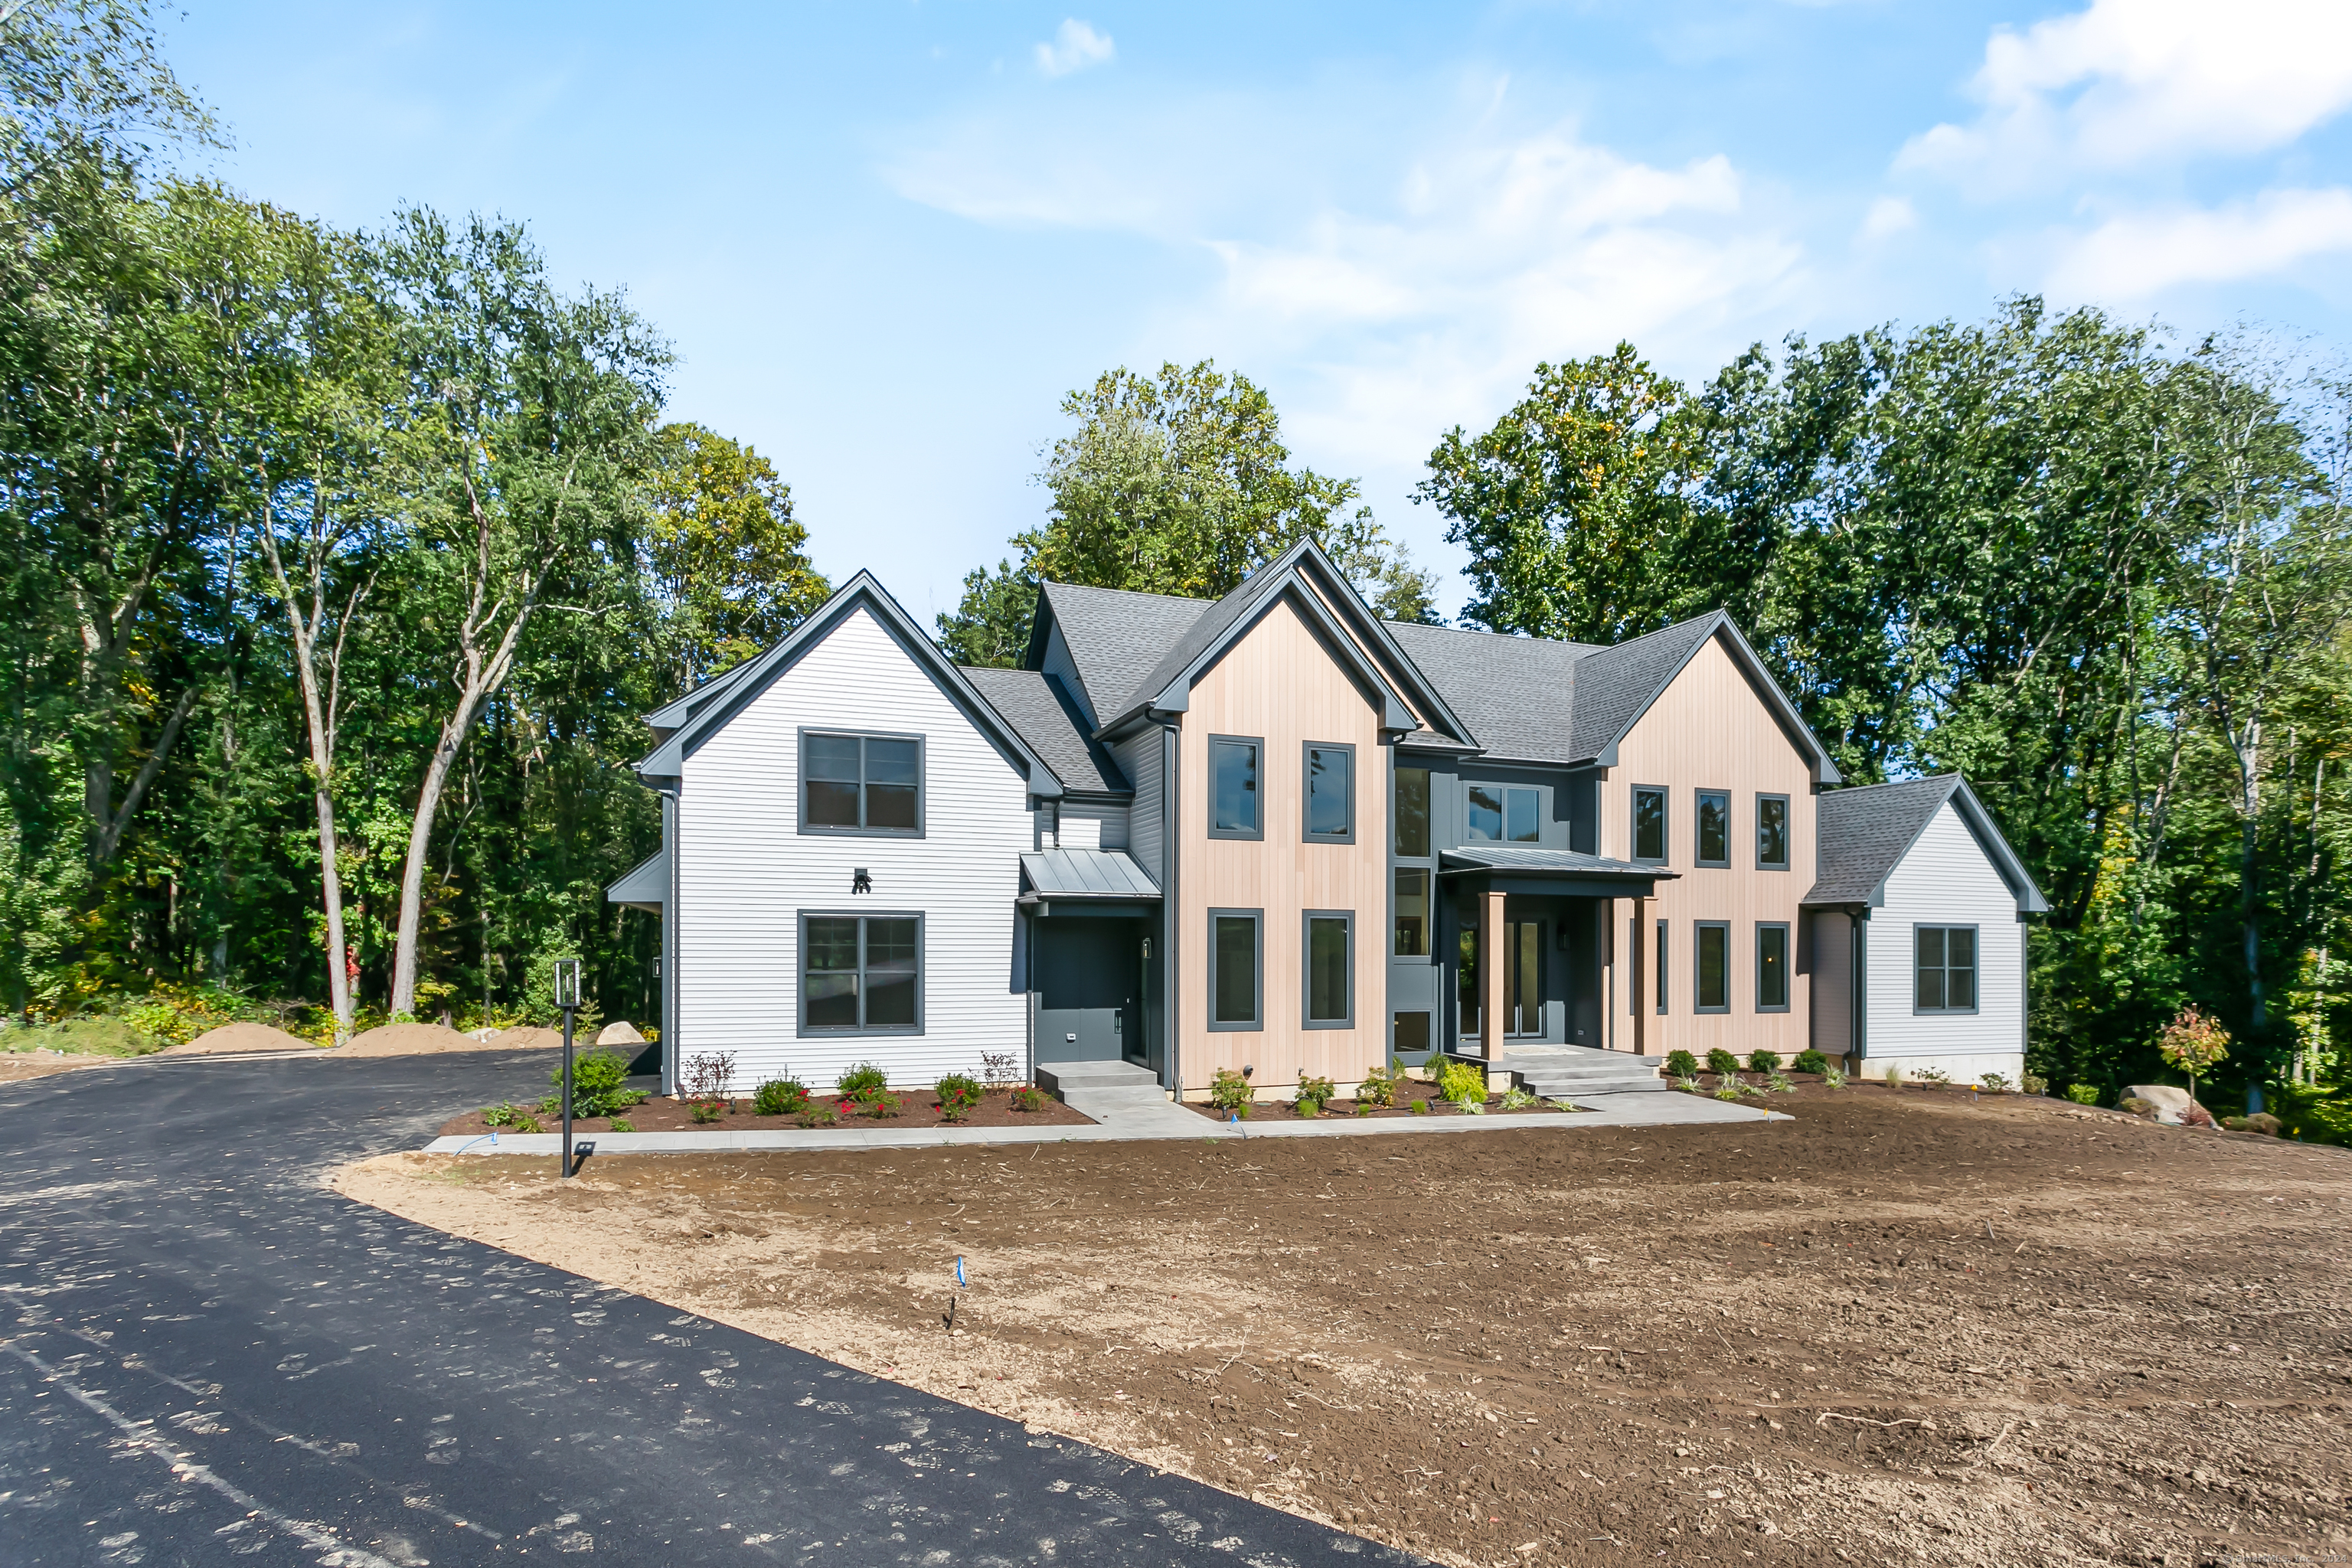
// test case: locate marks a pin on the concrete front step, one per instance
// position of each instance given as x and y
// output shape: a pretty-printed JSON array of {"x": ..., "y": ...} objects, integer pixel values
[{"x": 1059, "y": 1079}]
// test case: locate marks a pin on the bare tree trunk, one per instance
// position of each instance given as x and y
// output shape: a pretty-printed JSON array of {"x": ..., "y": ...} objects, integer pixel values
[
  {"x": 110, "y": 838},
  {"x": 2249, "y": 797}
]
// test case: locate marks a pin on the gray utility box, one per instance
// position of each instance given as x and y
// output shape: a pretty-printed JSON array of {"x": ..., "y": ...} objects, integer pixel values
[{"x": 1080, "y": 1034}]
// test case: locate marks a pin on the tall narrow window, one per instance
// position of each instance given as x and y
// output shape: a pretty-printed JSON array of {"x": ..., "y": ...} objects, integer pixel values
[
  {"x": 1236, "y": 964},
  {"x": 1330, "y": 794},
  {"x": 1771, "y": 967},
  {"x": 1714, "y": 827},
  {"x": 1946, "y": 969},
  {"x": 1662, "y": 928},
  {"x": 1649, "y": 824},
  {"x": 1771, "y": 832},
  {"x": 1234, "y": 804},
  {"x": 861, "y": 974},
  {"x": 1412, "y": 814},
  {"x": 1711, "y": 966},
  {"x": 1412, "y": 912},
  {"x": 861, "y": 783},
  {"x": 1330, "y": 969}
]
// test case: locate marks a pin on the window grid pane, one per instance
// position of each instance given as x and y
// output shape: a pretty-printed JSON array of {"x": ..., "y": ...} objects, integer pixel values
[
  {"x": 1649, "y": 824},
  {"x": 1713, "y": 828},
  {"x": 1412, "y": 1032},
  {"x": 1331, "y": 791},
  {"x": 829, "y": 974},
  {"x": 1327, "y": 969},
  {"x": 1714, "y": 968},
  {"x": 1236, "y": 765},
  {"x": 1772, "y": 966},
  {"x": 892, "y": 970},
  {"x": 1662, "y": 929},
  {"x": 1526, "y": 811},
  {"x": 1412, "y": 912},
  {"x": 1771, "y": 832},
  {"x": 1236, "y": 957},
  {"x": 1485, "y": 816}
]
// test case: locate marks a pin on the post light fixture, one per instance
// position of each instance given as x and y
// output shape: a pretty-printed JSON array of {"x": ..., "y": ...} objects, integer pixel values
[{"x": 567, "y": 982}]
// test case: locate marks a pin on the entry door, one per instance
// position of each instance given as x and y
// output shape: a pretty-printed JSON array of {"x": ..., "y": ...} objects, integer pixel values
[{"x": 1523, "y": 986}]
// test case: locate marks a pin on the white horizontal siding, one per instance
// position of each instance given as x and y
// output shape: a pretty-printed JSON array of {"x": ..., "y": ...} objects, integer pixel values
[
  {"x": 746, "y": 873},
  {"x": 1138, "y": 759},
  {"x": 1832, "y": 986},
  {"x": 1946, "y": 879},
  {"x": 1091, "y": 827}
]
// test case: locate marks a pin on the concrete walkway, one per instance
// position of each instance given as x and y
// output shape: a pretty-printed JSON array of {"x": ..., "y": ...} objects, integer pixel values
[{"x": 1132, "y": 1122}]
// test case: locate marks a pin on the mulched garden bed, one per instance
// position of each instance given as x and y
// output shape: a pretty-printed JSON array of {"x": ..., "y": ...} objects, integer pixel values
[
  {"x": 1408, "y": 1093},
  {"x": 917, "y": 1109}
]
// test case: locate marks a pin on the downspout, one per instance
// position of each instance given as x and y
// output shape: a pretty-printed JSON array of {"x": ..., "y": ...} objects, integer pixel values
[
  {"x": 671, "y": 809},
  {"x": 1860, "y": 917},
  {"x": 1172, "y": 910}
]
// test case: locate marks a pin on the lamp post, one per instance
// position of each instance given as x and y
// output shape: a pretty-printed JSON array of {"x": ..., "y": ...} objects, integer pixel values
[{"x": 567, "y": 997}]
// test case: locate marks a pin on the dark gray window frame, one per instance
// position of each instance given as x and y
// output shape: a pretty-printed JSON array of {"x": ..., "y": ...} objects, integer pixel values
[
  {"x": 1209, "y": 806},
  {"x": 1307, "y": 919},
  {"x": 825, "y": 830},
  {"x": 1428, "y": 909},
  {"x": 1429, "y": 1042},
  {"x": 1698, "y": 966},
  {"x": 1257, "y": 1024},
  {"x": 1976, "y": 970},
  {"x": 1664, "y": 994},
  {"x": 1307, "y": 750},
  {"x": 1665, "y": 826},
  {"x": 1504, "y": 789},
  {"x": 1698, "y": 817},
  {"x": 1428, "y": 812},
  {"x": 861, "y": 1031},
  {"x": 1786, "y": 834},
  {"x": 1787, "y": 965}
]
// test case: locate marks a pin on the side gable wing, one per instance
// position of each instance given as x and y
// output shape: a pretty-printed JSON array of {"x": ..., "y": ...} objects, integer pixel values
[{"x": 1615, "y": 686}]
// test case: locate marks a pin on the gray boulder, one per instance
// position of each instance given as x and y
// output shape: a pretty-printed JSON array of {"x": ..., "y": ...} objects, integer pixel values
[
  {"x": 2172, "y": 1105},
  {"x": 620, "y": 1033}
]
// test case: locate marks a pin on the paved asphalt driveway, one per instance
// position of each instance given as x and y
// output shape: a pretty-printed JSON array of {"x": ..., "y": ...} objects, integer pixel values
[{"x": 210, "y": 1358}]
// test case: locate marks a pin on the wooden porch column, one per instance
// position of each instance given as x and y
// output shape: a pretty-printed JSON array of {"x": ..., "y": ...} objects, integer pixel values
[
  {"x": 1498, "y": 962},
  {"x": 1637, "y": 974}
]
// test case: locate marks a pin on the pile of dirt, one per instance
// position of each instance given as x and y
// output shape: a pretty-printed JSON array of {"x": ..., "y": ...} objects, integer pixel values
[
  {"x": 241, "y": 1037},
  {"x": 1904, "y": 1327},
  {"x": 529, "y": 1037},
  {"x": 420, "y": 1041}
]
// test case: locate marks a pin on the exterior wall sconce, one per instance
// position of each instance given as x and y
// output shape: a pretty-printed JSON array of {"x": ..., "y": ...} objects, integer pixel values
[{"x": 860, "y": 881}]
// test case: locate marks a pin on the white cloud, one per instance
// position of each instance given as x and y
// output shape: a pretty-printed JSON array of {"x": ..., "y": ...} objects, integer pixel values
[
  {"x": 1888, "y": 216},
  {"x": 2141, "y": 254},
  {"x": 1075, "y": 48},
  {"x": 2128, "y": 83}
]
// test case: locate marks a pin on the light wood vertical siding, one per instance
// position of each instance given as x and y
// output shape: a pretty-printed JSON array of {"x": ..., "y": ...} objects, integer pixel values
[
  {"x": 1710, "y": 729},
  {"x": 1280, "y": 683},
  {"x": 1138, "y": 759},
  {"x": 1947, "y": 879},
  {"x": 745, "y": 872}
]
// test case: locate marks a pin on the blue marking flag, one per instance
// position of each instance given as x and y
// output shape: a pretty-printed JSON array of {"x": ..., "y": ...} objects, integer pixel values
[{"x": 959, "y": 1274}]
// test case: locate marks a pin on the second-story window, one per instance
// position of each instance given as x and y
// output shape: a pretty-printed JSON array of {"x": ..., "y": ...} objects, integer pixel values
[
  {"x": 1330, "y": 794},
  {"x": 1236, "y": 807},
  {"x": 1412, "y": 814},
  {"x": 1772, "y": 832},
  {"x": 861, "y": 783},
  {"x": 1714, "y": 827},
  {"x": 1505, "y": 815},
  {"x": 1649, "y": 824}
]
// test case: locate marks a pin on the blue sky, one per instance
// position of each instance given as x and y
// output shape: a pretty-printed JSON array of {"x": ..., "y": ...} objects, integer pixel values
[{"x": 886, "y": 238}]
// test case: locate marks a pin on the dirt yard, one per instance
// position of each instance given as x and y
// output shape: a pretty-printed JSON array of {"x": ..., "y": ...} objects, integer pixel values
[{"x": 1904, "y": 1328}]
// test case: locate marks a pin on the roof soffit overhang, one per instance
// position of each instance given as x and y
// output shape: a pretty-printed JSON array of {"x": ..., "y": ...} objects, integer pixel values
[
  {"x": 1784, "y": 713},
  {"x": 666, "y": 766}
]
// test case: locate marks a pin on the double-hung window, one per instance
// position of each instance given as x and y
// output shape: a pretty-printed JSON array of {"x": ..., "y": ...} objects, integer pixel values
[
  {"x": 861, "y": 974},
  {"x": 1714, "y": 827},
  {"x": 1330, "y": 794},
  {"x": 1711, "y": 966},
  {"x": 1649, "y": 824},
  {"x": 1236, "y": 969},
  {"x": 1771, "y": 832},
  {"x": 1771, "y": 966},
  {"x": 1946, "y": 969},
  {"x": 1330, "y": 946},
  {"x": 861, "y": 783},
  {"x": 1501, "y": 815},
  {"x": 1237, "y": 798}
]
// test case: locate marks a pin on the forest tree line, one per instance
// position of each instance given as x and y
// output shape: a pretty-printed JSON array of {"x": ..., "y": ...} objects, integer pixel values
[{"x": 341, "y": 566}]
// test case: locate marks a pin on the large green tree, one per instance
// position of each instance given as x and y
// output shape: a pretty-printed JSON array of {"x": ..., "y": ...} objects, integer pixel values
[
  {"x": 728, "y": 558},
  {"x": 1177, "y": 483}
]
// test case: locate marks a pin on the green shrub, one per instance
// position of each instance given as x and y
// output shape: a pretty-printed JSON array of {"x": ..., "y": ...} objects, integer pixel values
[
  {"x": 622, "y": 1125},
  {"x": 2036, "y": 1084},
  {"x": 1031, "y": 1100},
  {"x": 957, "y": 1094},
  {"x": 1731, "y": 1088},
  {"x": 1933, "y": 1078},
  {"x": 2083, "y": 1093},
  {"x": 864, "y": 1080},
  {"x": 779, "y": 1097},
  {"x": 1364, "y": 1107},
  {"x": 1893, "y": 1075},
  {"x": 1687, "y": 1083},
  {"x": 92, "y": 1034},
  {"x": 2133, "y": 1105},
  {"x": 815, "y": 1115},
  {"x": 1314, "y": 1093},
  {"x": 705, "y": 1112},
  {"x": 1681, "y": 1064},
  {"x": 1993, "y": 1083},
  {"x": 1420, "y": 1108},
  {"x": 515, "y": 1117},
  {"x": 880, "y": 1106},
  {"x": 1379, "y": 1087},
  {"x": 1763, "y": 1061},
  {"x": 1520, "y": 1099},
  {"x": 1832, "y": 1078},
  {"x": 1810, "y": 1060},
  {"x": 1229, "y": 1091},
  {"x": 1722, "y": 1063},
  {"x": 1463, "y": 1083},
  {"x": 1781, "y": 1084},
  {"x": 596, "y": 1080}
]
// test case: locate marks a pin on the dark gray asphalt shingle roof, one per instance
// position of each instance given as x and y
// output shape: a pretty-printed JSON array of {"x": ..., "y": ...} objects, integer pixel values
[
  {"x": 1862, "y": 833},
  {"x": 1046, "y": 717},
  {"x": 1613, "y": 685},
  {"x": 1517, "y": 694},
  {"x": 1116, "y": 636},
  {"x": 1212, "y": 623}
]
